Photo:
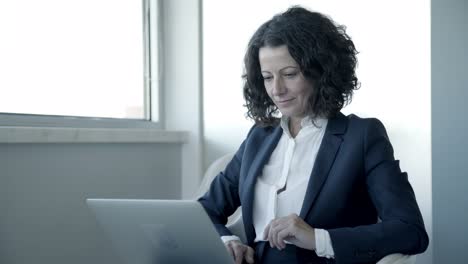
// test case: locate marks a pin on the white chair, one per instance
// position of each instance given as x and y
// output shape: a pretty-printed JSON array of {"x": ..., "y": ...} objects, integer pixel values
[{"x": 236, "y": 225}]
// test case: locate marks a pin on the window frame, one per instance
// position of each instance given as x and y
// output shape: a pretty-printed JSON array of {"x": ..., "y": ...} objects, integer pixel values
[{"x": 152, "y": 89}]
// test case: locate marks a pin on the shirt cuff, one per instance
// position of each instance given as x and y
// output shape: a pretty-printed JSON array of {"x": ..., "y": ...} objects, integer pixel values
[
  {"x": 226, "y": 239},
  {"x": 323, "y": 244}
]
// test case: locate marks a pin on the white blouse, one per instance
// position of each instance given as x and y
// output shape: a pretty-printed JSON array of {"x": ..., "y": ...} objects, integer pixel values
[
  {"x": 281, "y": 188},
  {"x": 289, "y": 167}
]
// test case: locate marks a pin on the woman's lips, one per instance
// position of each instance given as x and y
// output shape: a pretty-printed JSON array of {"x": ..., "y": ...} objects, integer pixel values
[{"x": 285, "y": 101}]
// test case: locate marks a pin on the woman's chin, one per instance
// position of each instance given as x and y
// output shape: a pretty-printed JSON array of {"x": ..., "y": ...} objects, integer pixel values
[{"x": 290, "y": 113}]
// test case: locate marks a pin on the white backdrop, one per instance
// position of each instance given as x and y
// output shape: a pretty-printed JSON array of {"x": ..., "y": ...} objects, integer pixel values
[{"x": 393, "y": 38}]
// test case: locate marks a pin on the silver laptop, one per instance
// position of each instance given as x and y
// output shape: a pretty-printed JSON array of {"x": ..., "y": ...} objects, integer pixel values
[{"x": 160, "y": 231}]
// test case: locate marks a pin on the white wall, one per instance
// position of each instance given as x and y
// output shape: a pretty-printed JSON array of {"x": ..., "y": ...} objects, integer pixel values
[
  {"x": 393, "y": 38},
  {"x": 43, "y": 187},
  {"x": 181, "y": 82}
]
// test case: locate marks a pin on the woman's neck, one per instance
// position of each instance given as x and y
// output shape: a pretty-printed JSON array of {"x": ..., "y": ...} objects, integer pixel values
[{"x": 295, "y": 126}]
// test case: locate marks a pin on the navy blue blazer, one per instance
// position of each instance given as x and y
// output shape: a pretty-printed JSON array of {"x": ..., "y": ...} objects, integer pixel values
[{"x": 354, "y": 182}]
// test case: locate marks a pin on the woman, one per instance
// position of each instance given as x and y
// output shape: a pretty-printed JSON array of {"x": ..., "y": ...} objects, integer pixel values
[{"x": 315, "y": 186}]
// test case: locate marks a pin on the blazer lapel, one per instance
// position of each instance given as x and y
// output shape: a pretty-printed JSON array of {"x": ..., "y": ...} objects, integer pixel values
[
  {"x": 329, "y": 147},
  {"x": 262, "y": 156}
]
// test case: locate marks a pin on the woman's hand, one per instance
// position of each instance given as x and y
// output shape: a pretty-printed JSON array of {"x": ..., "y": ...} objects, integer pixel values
[
  {"x": 291, "y": 228},
  {"x": 240, "y": 251}
]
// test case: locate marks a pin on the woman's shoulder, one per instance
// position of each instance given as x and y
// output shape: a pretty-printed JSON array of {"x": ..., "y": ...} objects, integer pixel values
[
  {"x": 365, "y": 125},
  {"x": 258, "y": 129},
  {"x": 363, "y": 121},
  {"x": 259, "y": 133}
]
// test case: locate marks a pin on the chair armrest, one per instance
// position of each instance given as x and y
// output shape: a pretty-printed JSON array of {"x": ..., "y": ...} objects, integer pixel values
[{"x": 398, "y": 258}]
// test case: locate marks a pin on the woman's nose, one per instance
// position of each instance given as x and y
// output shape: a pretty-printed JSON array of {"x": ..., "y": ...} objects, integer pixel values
[{"x": 278, "y": 87}]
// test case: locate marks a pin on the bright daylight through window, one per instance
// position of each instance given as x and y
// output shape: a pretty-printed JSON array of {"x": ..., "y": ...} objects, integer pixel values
[{"x": 73, "y": 58}]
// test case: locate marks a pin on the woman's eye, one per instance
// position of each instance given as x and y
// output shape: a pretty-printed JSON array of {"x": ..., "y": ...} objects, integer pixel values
[
  {"x": 290, "y": 74},
  {"x": 267, "y": 78}
]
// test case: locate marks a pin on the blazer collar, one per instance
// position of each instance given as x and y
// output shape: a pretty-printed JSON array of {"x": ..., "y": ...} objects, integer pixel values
[
  {"x": 337, "y": 125},
  {"x": 261, "y": 158},
  {"x": 329, "y": 147},
  {"x": 325, "y": 157}
]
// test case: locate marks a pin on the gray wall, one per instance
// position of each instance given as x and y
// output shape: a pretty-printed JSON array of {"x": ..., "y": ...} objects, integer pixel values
[
  {"x": 43, "y": 217},
  {"x": 450, "y": 130}
]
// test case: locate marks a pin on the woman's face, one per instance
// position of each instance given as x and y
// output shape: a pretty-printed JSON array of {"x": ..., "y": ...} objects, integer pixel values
[{"x": 284, "y": 81}]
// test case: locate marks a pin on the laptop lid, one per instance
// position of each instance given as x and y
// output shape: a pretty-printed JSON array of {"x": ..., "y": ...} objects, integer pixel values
[{"x": 159, "y": 231}]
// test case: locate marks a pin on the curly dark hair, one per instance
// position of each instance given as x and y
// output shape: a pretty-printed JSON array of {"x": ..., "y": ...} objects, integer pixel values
[{"x": 326, "y": 56}]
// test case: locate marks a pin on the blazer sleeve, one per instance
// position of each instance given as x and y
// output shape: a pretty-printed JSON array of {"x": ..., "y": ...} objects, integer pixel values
[
  {"x": 401, "y": 229},
  {"x": 222, "y": 198}
]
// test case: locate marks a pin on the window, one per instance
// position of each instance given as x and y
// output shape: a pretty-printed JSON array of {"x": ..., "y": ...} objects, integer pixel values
[{"x": 87, "y": 58}]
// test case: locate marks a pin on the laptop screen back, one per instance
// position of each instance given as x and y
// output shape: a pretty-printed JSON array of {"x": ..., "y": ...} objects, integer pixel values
[{"x": 159, "y": 231}]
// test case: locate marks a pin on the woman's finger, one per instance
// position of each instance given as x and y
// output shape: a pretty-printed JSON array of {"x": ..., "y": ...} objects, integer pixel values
[
  {"x": 239, "y": 251},
  {"x": 283, "y": 235},
  {"x": 249, "y": 255},
  {"x": 271, "y": 235},
  {"x": 276, "y": 226},
  {"x": 279, "y": 236},
  {"x": 230, "y": 250}
]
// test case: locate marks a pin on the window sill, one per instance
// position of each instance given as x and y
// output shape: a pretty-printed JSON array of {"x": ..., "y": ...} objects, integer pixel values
[{"x": 89, "y": 135}]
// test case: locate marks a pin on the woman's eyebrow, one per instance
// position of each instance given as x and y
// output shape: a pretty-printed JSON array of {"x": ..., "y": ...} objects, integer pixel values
[
  {"x": 289, "y": 67},
  {"x": 282, "y": 69}
]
